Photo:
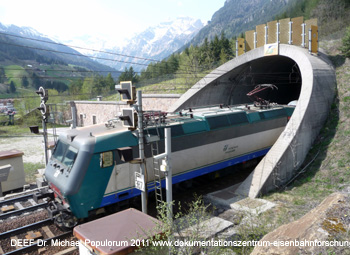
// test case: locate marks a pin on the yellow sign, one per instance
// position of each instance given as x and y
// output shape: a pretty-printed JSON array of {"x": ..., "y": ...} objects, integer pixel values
[
  {"x": 106, "y": 159},
  {"x": 314, "y": 39},
  {"x": 260, "y": 35},
  {"x": 271, "y": 49},
  {"x": 241, "y": 46},
  {"x": 249, "y": 37}
]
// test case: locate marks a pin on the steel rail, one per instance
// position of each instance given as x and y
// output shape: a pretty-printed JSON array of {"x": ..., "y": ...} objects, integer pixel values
[
  {"x": 24, "y": 228},
  {"x": 20, "y": 211}
]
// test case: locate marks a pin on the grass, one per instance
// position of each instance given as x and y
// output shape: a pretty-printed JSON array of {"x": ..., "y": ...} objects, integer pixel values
[
  {"x": 14, "y": 130},
  {"x": 31, "y": 170}
]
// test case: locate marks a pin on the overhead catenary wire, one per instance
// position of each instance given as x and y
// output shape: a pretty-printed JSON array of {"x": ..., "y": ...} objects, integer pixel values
[
  {"x": 82, "y": 48},
  {"x": 73, "y": 54},
  {"x": 213, "y": 73},
  {"x": 78, "y": 47},
  {"x": 100, "y": 58},
  {"x": 216, "y": 73}
]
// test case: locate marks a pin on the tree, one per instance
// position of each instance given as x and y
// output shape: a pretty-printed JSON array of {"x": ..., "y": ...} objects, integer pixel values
[
  {"x": 2, "y": 75},
  {"x": 346, "y": 43},
  {"x": 128, "y": 75},
  {"x": 36, "y": 81},
  {"x": 88, "y": 86},
  {"x": 110, "y": 82},
  {"x": 215, "y": 47},
  {"x": 25, "y": 82},
  {"x": 75, "y": 87},
  {"x": 12, "y": 87}
]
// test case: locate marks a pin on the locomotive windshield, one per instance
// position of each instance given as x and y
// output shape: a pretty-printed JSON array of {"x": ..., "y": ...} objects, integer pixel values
[{"x": 65, "y": 153}]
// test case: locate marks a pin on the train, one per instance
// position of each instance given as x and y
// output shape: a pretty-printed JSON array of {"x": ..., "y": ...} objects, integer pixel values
[{"x": 94, "y": 167}]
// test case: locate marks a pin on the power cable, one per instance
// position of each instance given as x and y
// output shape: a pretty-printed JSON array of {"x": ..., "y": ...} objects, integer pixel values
[
  {"x": 73, "y": 54},
  {"x": 82, "y": 48},
  {"x": 72, "y": 46}
]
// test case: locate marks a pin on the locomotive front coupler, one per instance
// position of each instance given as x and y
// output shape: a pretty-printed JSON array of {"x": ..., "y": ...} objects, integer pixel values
[{"x": 44, "y": 193}]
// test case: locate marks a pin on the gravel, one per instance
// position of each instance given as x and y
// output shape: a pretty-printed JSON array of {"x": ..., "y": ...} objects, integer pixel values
[{"x": 32, "y": 146}]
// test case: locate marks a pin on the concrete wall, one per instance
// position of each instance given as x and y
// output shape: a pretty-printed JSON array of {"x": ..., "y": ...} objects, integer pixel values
[
  {"x": 102, "y": 111},
  {"x": 313, "y": 84}
]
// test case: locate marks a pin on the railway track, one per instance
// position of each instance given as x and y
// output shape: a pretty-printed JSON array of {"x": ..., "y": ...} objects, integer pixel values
[
  {"x": 19, "y": 205},
  {"x": 40, "y": 237},
  {"x": 26, "y": 229},
  {"x": 41, "y": 232}
]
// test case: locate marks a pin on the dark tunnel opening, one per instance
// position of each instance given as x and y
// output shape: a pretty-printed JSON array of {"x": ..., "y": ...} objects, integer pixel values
[{"x": 280, "y": 71}]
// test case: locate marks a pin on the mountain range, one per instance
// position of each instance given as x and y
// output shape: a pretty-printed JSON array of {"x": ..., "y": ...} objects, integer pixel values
[
  {"x": 155, "y": 43},
  {"x": 238, "y": 16},
  {"x": 25, "y": 44}
]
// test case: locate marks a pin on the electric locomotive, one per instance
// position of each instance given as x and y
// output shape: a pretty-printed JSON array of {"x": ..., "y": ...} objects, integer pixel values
[{"x": 88, "y": 169}]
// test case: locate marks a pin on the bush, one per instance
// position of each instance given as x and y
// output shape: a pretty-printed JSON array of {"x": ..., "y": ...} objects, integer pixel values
[{"x": 346, "y": 43}]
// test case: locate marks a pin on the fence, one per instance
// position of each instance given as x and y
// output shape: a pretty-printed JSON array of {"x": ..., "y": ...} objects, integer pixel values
[{"x": 287, "y": 31}]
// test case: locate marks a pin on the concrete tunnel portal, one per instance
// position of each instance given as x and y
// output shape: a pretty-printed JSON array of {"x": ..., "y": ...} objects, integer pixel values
[
  {"x": 297, "y": 75},
  {"x": 280, "y": 71},
  {"x": 233, "y": 86}
]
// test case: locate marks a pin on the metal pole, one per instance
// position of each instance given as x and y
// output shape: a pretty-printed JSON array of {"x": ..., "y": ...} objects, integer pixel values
[
  {"x": 254, "y": 40},
  {"x": 168, "y": 174},
  {"x": 74, "y": 114},
  {"x": 236, "y": 48},
  {"x": 310, "y": 41},
  {"x": 45, "y": 141},
  {"x": 290, "y": 41},
  {"x": 266, "y": 34},
  {"x": 141, "y": 150},
  {"x": 278, "y": 32},
  {"x": 303, "y": 35}
]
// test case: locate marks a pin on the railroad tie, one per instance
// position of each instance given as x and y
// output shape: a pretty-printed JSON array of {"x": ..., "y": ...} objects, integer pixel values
[
  {"x": 32, "y": 202},
  {"x": 34, "y": 235},
  {"x": 48, "y": 231},
  {"x": 19, "y": 205},
  {"x": 7, "y": 208}
]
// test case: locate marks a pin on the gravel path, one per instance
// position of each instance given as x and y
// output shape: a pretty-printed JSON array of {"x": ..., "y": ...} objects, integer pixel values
[{"x": 32, "y": 146}]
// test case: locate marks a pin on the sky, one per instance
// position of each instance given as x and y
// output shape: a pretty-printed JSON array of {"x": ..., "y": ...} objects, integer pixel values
[{"x": 108, "y": 19}]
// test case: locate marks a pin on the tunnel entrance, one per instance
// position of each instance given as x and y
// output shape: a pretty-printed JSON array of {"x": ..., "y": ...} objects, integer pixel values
[
  {"x": 230, "y": 83},
  {"x": 280, "y": 71}
]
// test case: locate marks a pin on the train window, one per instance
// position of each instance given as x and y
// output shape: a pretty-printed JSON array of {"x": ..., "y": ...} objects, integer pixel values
[
  {"x": 70, "y": 156},
  {"x": 106, "y": 159},
  {"x": 59, "y": 151},
  {"x": 65, "y": 153}
]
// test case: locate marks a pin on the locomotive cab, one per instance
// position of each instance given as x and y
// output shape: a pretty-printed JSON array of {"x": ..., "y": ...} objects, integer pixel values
[{"x": 79, "y": 168}]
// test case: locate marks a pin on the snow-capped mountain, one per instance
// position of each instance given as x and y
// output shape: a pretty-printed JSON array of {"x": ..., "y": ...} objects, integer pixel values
[
  {"x": 20, "y": 44},
  {"x": 156, "y": 43}
]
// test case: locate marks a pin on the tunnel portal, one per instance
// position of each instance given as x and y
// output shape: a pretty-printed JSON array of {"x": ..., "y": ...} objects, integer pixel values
[
  {"x": 232, "y": 86},
  {"x": 298, "y": 75}
]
